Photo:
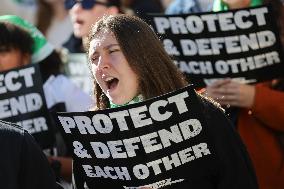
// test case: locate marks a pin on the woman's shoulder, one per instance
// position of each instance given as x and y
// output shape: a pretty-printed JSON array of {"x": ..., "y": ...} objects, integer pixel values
[
  {"x": 209, "y": 104},
  {"x": 214, "y": 114}
]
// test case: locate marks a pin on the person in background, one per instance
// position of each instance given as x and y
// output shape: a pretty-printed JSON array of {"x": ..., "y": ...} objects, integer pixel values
[
  {"x": 53, "y": 21},
  {"x": 57, "y": 87},
  {"x": 21, "y": 43},
  {"x": 261, "y": 110},
  {"x": 127, "y": 71},
  {"x": 15, "y": 47},
  {"x": 83, "y": 15},
  {"x": 142, "y": 8},
  {"x": 189, "y": 6},
  {"x": 22, "y": 163}
]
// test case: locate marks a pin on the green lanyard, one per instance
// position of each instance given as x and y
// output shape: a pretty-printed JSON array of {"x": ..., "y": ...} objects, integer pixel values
[
  {"x": 219, "y": 5},
  {"x": 136, "y": 99}
]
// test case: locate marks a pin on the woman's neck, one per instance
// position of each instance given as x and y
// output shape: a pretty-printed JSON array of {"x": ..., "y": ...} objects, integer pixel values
[
  {"x": 136, "y": 99},
  {"x": 238, "y": 4}
]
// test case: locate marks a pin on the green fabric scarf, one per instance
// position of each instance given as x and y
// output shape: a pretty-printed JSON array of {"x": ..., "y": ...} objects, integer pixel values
[
  {"x": 136, "y": 99},
  {"x": 219, "y": 5}
]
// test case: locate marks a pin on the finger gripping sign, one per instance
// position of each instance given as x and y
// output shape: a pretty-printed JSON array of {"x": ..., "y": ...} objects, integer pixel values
[{"x": 159, "y": 142}]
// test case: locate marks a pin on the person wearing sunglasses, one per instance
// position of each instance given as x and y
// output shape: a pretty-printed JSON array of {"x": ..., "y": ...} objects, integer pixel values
[{"x": 85, "y": 13}]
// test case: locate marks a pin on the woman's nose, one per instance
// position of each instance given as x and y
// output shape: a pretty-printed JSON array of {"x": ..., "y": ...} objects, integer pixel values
[{"x": 104, "y": 62}]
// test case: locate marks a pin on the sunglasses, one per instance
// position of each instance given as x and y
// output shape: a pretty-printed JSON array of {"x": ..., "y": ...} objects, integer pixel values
[{"x": 86, "y": 4}]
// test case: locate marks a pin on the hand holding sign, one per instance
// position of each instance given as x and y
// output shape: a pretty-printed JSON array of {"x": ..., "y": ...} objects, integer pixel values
[
  {"x": 158, "y": 138},
  {"x": 238, "y": 44},
  {"x": 169, "y": 138},
  {"x": 231, "y": 93},
  {"x": 164, "y": 153}
]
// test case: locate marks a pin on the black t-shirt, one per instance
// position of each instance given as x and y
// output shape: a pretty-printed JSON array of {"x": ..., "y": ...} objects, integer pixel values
[
  {"x": 74, "y": 45},
  {"x": 232, "y": 168},
  {"x": 22, "y": 163}
]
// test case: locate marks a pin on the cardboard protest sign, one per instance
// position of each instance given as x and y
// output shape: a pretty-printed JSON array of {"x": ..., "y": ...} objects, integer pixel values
[
  {"x": 22, "y": 102},
  {"x": 77, "y": 70},
  {"x": 161, "y": 142},
  {"x": 243, "y": 44}
]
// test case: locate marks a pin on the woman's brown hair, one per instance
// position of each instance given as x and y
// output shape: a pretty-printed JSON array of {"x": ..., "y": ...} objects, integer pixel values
[{"x": 145, "y": 54}]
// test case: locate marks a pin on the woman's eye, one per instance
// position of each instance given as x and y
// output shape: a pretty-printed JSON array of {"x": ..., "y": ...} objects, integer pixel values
[
  {"x": 113, "y": 50},
  {"x": 94, "y": 59}
]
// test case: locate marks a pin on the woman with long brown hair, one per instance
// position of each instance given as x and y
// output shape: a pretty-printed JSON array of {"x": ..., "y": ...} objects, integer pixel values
[
  {"x": 148, "y": 60},
  {"x": 129, "y": 65}
]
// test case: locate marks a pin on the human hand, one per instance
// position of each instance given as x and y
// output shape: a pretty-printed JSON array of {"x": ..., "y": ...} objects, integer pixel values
[{"x": 230, "y": 93}]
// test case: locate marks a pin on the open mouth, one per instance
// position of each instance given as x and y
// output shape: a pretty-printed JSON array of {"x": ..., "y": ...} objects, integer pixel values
[
  {"x": 79, "y": 22},
  {"x": 111, "y": 82}
]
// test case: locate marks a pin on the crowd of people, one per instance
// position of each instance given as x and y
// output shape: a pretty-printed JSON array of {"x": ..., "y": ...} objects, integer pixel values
[{"x": 129, "y": 64}]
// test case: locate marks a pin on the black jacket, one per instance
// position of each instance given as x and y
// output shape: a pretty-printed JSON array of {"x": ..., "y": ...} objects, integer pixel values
[
  {"x": 232, "y": 167},
  {"x": 22, "y": 163}
]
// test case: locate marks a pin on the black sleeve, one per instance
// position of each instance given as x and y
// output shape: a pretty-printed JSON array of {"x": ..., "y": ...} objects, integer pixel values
[
  {"x": 235, "y": 168},
  {"x": 35, "y": 171}
]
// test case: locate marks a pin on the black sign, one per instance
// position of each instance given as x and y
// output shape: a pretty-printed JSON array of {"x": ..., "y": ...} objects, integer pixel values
[
  {"x": 242, "y": 44},
  {"x": 78, "y": 71},
  {"x": 161, "y": 142},
  {"x": 22, "y": 101}
]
